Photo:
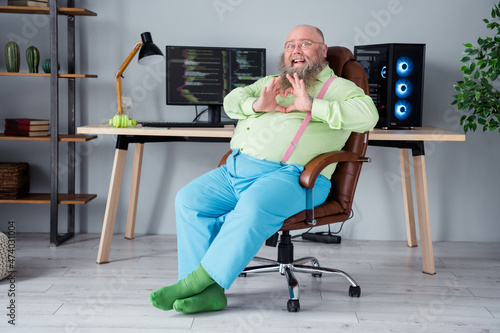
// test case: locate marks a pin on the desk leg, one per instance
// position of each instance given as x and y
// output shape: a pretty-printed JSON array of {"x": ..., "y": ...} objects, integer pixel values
[
  {"x": 111, "y": 206},
  {"x": 134, "y": 190},
  {"x": 424, "y": 222},
  {"x": 404, "y": 161}
]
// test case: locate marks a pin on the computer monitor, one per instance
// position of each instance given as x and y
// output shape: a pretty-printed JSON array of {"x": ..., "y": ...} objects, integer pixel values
[{"x": 203, "y": 76}]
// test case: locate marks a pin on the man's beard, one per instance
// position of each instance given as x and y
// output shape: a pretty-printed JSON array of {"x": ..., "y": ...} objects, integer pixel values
[{"x": 309, "y": 72}]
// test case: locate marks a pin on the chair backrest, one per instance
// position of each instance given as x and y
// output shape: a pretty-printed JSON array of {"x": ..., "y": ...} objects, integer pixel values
[
  {"x": 338, "y": 205},
  {"x": 346, "y": 175},
  {"x": 343, "y": 63}
]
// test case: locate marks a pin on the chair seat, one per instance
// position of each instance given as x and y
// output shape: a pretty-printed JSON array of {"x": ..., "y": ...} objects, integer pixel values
[{"x": 329, "y": 212}]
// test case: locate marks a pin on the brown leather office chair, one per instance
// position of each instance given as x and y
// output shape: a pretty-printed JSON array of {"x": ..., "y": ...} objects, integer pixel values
[{"x": 337, "y": 207}]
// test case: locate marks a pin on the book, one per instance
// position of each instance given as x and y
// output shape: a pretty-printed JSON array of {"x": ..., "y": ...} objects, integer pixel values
[
  {"x": 25, "y": 133},
  {"x": 26, "y": 121},
  {"x": 27, "y": 3},
  {"x": 29, "y": 128}
]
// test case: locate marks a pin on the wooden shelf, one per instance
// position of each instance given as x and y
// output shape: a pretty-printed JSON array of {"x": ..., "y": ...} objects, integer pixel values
[
  {"x": 62, "y": 138},
  {"x": 63, "y": 76},
  {"x": 45, "y": 10},
  {"x": 44, "y": 198}
]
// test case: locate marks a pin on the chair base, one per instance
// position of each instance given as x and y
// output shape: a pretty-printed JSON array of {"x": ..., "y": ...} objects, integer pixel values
[{"x": 287, "y": 268}]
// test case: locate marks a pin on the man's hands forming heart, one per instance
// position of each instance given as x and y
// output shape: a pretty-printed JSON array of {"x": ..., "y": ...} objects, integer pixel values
[{"x": 267, "y": 100}]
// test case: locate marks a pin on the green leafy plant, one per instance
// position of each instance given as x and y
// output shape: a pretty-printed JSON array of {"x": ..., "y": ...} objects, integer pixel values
[{"x": 477, "y": 92}]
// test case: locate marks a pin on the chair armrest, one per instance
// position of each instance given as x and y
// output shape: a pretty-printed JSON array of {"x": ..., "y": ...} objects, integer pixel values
[
  {"x": 314, "y": 167},
  {"x": 224, "y": 158}
]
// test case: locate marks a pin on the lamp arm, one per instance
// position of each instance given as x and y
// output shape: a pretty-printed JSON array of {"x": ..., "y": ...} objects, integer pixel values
[{"x": 118, "y": 75}]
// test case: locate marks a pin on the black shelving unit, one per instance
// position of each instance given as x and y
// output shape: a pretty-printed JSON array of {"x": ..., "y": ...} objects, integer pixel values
[{"x": 55, "y": 198}]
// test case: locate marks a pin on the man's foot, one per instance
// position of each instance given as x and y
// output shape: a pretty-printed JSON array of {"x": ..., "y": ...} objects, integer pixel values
[
  {"x": 210, "y": 299},
  {"x": 192, "y": 284}
]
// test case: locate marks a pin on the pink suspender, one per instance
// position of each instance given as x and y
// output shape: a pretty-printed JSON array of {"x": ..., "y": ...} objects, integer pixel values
[{"x": 306, "y": 120}]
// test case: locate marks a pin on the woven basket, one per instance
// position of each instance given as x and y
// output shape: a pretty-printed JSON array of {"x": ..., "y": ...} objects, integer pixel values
[
  {"x": 5, "y": 266},
  {"x": 14, "y": 180}
]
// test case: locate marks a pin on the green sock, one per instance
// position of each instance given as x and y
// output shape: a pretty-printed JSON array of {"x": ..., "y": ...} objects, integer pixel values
[
  {"x": 192, "y": 284},
  {"x": 210, "y": 299}
]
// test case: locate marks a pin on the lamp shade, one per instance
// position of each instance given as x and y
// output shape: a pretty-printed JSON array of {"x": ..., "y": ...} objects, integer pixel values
[{"x": 149, "y": 54}]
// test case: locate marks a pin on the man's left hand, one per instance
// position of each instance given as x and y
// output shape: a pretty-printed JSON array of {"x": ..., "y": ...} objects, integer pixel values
[{"x": 303, "y": 101}]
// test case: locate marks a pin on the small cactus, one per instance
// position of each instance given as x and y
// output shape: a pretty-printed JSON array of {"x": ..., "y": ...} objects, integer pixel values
[
  {"x": 46, "y": 66},
  {"x": 12, "y": 57},
  {"x": 33, "y": 59}
]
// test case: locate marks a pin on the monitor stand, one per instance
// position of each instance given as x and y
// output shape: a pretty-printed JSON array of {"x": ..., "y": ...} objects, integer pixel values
[{"x": 214, "y": 115}]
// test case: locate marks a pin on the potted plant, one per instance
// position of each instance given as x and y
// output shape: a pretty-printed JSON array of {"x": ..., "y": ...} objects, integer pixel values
[{"x": 478, "y": 95}]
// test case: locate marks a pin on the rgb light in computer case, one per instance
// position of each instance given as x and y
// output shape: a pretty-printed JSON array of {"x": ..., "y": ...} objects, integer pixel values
[{"x": 396, "y": 79}]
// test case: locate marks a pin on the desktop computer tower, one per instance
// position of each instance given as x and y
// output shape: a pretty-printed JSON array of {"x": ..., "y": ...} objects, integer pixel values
[{"x": 396, "y": 80}]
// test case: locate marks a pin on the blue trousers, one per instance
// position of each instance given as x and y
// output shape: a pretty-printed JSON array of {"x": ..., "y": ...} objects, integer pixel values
[{"x": 224, "y": 216}]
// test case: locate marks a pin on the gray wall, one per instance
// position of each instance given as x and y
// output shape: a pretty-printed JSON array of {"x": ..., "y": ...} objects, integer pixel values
[{"x": 462, "y": 177}]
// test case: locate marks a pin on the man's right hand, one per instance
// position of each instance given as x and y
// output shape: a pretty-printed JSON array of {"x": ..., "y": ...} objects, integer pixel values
[{"x": 267, "y": 100}]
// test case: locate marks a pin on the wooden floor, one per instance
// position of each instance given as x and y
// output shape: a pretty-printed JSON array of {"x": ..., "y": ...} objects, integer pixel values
[{"x": 62, "y": 289}]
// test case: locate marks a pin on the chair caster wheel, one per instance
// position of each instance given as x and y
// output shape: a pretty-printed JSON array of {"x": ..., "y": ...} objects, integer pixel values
[
  {"x": 354, "y": 291},
  {"x": 243, "y": 275},
  {"x": 318, "y": 275},
  {"x": 293, "y": 305}
]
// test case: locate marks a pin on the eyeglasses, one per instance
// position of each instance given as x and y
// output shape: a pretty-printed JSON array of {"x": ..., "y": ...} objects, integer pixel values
[{"x": 304, "y": 44}]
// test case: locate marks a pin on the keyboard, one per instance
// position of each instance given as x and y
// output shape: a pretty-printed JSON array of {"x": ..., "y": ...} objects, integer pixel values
[{"x": 167, "y": 124}]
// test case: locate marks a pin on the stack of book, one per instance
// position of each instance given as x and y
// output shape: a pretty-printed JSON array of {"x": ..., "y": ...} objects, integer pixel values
[
  {"x": 29, "y": 3},
  {"x": 26, "y": 127}
]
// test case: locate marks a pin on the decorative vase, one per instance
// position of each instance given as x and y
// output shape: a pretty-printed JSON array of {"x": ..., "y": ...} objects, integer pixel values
[
  {"x": 46, "y": 66},
  {"x": 12, "y": 57},
  {"x": 33, "y": 59}
]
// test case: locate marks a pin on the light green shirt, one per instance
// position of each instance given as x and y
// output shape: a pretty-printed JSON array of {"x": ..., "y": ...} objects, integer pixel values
[{"x": 267, "y": 135}]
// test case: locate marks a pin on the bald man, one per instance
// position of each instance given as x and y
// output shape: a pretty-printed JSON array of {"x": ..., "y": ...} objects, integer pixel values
[{"x": 224, "y": 216}]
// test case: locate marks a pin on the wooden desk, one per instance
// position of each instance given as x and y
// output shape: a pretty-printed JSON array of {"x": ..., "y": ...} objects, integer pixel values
[{"x": 404, "y": 140}]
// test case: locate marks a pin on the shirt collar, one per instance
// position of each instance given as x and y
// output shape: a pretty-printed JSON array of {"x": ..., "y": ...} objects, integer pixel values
[{"x": 325, "y": 74}]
